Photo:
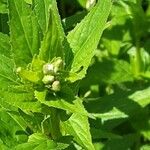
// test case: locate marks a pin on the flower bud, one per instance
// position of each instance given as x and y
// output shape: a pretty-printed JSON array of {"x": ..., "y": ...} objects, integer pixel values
[
  {"x": 58, "y": 64},
  {"x": 48, "y": 68},
  {"x": 56, "y": 86},
  {"x": 48, "y": 79}
]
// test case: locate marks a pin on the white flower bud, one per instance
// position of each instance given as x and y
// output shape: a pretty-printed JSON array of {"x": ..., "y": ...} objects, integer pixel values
[
  {"x": 48, "y": 79},
  {"x": 48, "y": 68},
  {"x": 58, "y": 64},
  {"x": 56, "y": 86}
]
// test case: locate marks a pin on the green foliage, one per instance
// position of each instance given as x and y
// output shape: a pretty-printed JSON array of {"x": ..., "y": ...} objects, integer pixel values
[
  {"x": 23, "y": 29},
  {"x": 77, "y": 126},
  {"x": 52, "y": 44},
  {"x": 84, "y": 44},
  {"x": 74, "y": 74}
]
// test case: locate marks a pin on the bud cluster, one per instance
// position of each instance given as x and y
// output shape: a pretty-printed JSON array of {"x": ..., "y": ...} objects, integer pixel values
[{"x": 51, "y": 72}]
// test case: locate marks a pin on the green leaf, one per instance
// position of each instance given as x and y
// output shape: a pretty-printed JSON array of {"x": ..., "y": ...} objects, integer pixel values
[
  {"x": 24, "y": 32},
  {"x": 108, "y": 71},
  {"x": 39, "y": 141},
  {"x": 29, "y": 75},
  {"x": 85, "y": 37},
  {"x": 8, "y": 130},
  {"x": 52, "y": 44},
  {"x": 12, "y": 91},
  {"x": 77, "y": 126},
  {"x": 20, "y": 96},
  {"x": 141, "y": 97},
  {"x": 120, "y": 105},
  {"x": 7, "y": 75},
  {"x": 59, "y": 103},
  {"x": 112, "y": 114},
  {"x": 4, "y": 45},
  {"x": 3, "y": 6},
  {"x": 42, "y": 12}
]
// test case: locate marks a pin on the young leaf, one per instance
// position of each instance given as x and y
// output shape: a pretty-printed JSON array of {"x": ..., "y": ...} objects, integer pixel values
[
  {"x": 53, "y": 38},
  {"x": 77, "y": 126},
  {"x": 85, "y": 36},
  {"x": 24, "y": 32},
  {"x": 61, "y": 103},
  {"x": 42, "y": 12}
]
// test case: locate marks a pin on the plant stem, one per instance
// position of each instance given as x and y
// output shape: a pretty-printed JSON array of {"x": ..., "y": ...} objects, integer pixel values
[
  {"x": 55, "y": 122},
  {"x": 138, "y": 59}
]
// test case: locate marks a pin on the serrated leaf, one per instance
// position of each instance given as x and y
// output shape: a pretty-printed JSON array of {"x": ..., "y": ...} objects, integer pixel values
[
  {"x": 12, "y": 91},
  {"x": 20, "y": 96},
  {"x": 39, "y": 141},
  {"x": 85, "y": 37},
  {"x": 59, "y": 103},
  {"x": 24, "y": 32},
  {"x": 52, "y": 44},
  {"x": 42, "y": 12},
  {"x": 77, "y": 126},
  {"x": 4, "y": 44}
]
